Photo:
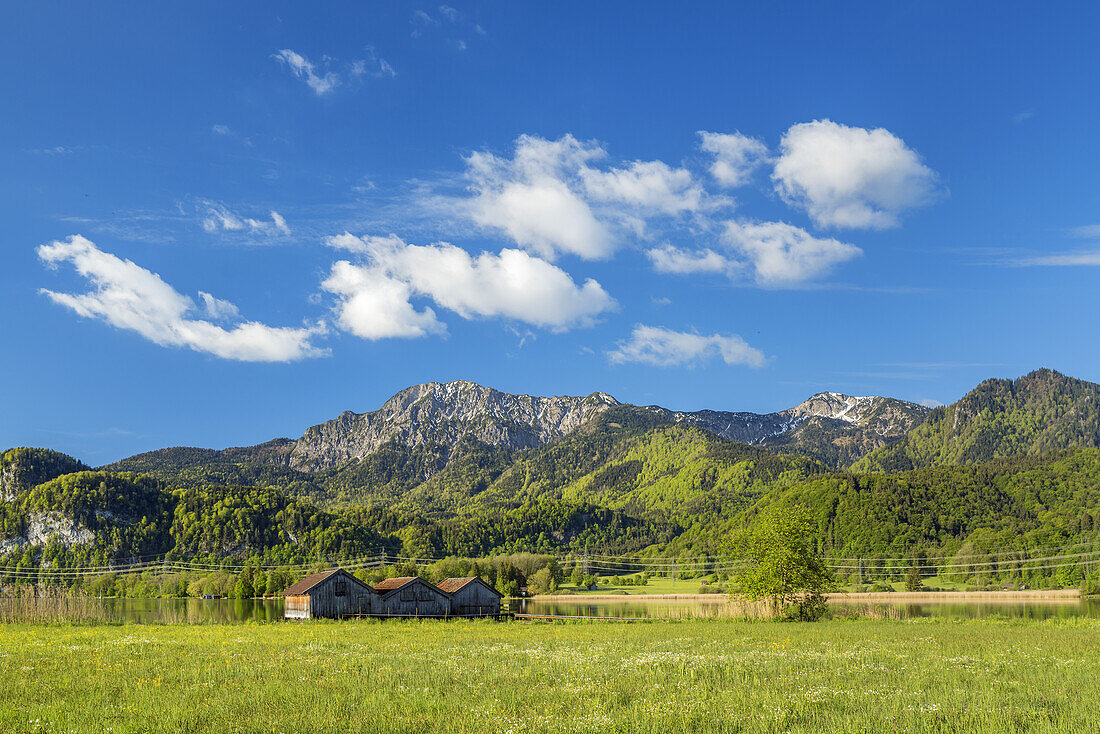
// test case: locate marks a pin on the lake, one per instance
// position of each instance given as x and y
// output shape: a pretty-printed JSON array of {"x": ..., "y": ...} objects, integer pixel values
[
  {"x": 931, "y": 605},
  {"x": 206, "y": 611}
]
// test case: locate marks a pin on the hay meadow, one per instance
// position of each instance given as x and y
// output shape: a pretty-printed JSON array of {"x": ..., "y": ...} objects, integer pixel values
[{"x": 725, "y": 675}]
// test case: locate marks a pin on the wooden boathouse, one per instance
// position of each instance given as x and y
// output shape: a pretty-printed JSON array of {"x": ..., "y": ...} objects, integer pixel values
[
  {"x": 472, "y": 597},
  {"x": 331, "y": 594},
  {"x": 337, "y": 594},
  {"x": 412, "y": 596}
]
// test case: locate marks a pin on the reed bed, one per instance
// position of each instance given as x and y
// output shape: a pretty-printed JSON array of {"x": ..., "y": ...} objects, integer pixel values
[
  {"x": 718, "y": 675},
  {"x": 29, "y": 605}
]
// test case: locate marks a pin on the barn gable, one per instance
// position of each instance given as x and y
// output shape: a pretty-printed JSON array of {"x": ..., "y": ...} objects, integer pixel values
[
  {"x": 411, "y": 596},
  {"x": 329, "y": 594},
  {"x": 472, "y": 597}
]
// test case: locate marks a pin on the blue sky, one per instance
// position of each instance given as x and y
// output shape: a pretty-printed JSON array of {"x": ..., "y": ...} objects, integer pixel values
[{"x": 228, "y": 222}]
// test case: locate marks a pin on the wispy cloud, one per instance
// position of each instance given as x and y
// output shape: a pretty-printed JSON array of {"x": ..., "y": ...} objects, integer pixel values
[
  {"x": 1062, "y": 259},
  {"x": 445, "y": 21},
  {"x": 663, "y": 347},
  {"x": 325, "y": 76},
  {"x": 217, "y": 217},
  {"x": 1086, "y": 232},
  {"x": 302, "y": 68},
  {"x": 55, "y": 150}
]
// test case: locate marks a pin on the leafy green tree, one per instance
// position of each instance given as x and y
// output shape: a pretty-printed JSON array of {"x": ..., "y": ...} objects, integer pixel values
[
  {"x": 244, "y": 588},
  {"x": 912, "y": 580},
  {"x": 542, "y": 581},
  {"x": 782, "y": 564}
]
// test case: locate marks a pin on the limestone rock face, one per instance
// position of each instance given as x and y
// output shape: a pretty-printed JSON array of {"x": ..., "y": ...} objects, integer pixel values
[
  {"x": 444, "y": 413},
  {"x": 886, "y": 417},
  {"x": 49, "y": 527}
]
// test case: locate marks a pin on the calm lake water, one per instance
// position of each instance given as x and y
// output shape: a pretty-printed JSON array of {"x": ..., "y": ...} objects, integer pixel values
[
  {"x": 195, "y": 611},
  {"x": 721, "y": 607}
]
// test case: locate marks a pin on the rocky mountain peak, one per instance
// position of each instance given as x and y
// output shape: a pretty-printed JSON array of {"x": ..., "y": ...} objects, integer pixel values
[
  {"x": 443, "y": 414},
  {"x": 848, "y": 408}
]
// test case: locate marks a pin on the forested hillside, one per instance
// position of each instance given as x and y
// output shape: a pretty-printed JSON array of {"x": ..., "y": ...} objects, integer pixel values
[
  {"x": 1009, "y": 468},
  {"x": 1041, "y": 412},
  {"x": 23, "y": 468}
]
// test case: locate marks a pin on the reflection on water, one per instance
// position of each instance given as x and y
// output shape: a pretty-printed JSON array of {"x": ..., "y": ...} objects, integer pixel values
[
  {"x": 144, "y": 611},
  {"x": 206, "y": 611},
  {"x": 721, "y": 607},
  {"x": 194, "y": 611}
]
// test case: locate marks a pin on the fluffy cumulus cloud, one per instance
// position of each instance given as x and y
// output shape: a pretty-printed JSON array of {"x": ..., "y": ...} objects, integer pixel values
[
  {"x": 375, "y": 295},
  {"x": 130, "y": 297},
  {"x": 774, "y": 254},
  {"x": 851, "y": 177},
  {"x": 670, "y": 259},
  {"x": 736, "y": 156},
  {"x": 555, "y": 196},
  {"x": 667, "y": 348},
  {"x": 781, "y": 254}
]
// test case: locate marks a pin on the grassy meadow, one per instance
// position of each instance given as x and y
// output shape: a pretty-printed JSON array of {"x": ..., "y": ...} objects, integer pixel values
[{"x": 704, "y": 675}]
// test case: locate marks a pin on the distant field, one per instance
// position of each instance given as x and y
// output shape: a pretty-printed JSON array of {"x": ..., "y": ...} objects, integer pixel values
[{"x": 919, "y": 676}]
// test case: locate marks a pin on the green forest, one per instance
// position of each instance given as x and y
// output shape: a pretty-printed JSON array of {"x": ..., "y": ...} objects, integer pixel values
[{"x": 977, "y": 489}]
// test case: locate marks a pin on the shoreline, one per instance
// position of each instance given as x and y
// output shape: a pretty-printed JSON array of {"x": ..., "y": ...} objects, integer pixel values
[{"x": 868, "y": 596}]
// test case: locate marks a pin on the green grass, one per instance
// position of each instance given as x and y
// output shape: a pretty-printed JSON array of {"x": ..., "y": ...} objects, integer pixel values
[{"x": 480, "y": 676}]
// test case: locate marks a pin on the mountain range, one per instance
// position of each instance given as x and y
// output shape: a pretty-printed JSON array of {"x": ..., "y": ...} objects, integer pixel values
[
  {"x": 458, "y": 468},
  {"x": 832, "y": 427}
]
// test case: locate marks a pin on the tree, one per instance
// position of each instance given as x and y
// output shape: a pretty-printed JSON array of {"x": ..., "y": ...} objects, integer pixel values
[
  {"x": 912, "y": 580},
  {"x": 244, "y": 588},
  {"x": 577, "y": 576},
  {"x": 782, "y": 564},
  {"x": 542, "y": 582}
]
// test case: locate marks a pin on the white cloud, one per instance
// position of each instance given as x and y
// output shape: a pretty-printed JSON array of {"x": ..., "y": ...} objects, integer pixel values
[
  {"x": 528, "y": 199},
  {"x": 220, "y": 130},
  {"x": 1064, "y": 259},
  {"x": 217, "y": 217},
  {"x": 551, "y": 198},
  {"x": 1086, "y": 232},
  {"x": 666, "y": 348},
  {"x": 372, "y": 65},
  {"x": 648, "y": 185},
  {"x": 374, "y": 297},
  {"x": 218, "y": 309},
  {"x": 782, "y": 254},
  {"x": 930, "y": 403},
  {"x": 304, "y": 69},
  {"x": 279, "y": 222},
  {"x": 736, "y": 156},
  {"x": 669, "y": 259},
  {"x": 373, "y": 305},
  {"x": 130, "y": 297},
  {"x": 849, "y": 176}
]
